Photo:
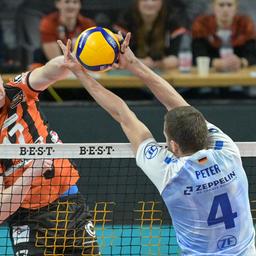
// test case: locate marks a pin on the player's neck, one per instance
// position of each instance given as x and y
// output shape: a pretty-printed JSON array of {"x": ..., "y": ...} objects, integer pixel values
[{"x": 182, "y": 154}]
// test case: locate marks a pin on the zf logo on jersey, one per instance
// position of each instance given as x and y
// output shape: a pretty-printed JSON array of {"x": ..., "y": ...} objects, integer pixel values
[
  {"x": 151, "y": 150},
  {"x": 226, "y": 242}
]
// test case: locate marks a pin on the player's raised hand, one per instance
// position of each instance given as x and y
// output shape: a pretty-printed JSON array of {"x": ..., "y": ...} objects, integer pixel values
[
  {"x": 126, "y": 56},
  {"x": 70, "y": 60}
]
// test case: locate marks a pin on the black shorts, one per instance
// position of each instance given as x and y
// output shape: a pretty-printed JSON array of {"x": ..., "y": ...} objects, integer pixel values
[{"x": 64, "y": 227}]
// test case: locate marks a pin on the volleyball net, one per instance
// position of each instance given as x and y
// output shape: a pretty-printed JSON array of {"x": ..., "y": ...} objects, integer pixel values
[{"x": 129, "y": 215}]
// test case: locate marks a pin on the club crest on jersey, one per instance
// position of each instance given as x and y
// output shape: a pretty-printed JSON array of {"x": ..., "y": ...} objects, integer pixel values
[
  {"x": 151, "y": 151},
  {"x": 17, "y": 99}
]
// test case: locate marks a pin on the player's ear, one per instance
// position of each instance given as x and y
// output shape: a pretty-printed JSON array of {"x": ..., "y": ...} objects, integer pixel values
[{"x": 175, "y": 149}]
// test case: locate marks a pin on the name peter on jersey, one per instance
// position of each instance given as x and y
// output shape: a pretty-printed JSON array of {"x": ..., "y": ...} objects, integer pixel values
[{"x": 214, "y": 184}]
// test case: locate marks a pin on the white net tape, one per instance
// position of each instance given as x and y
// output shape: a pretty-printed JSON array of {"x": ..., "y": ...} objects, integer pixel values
[{"x": 87, "y": 150}]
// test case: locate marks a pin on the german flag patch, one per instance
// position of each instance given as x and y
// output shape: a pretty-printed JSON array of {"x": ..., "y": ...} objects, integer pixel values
[{"x": 202, "y": 160}]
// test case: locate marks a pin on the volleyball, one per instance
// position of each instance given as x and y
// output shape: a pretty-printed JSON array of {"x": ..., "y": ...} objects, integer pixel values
[{"x": 97, "y": 49}]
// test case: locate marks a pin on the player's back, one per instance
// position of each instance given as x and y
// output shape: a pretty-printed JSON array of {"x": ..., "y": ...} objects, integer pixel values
[
  {"x": 211, "y": 213},
  {"x": 206, "y": 194}
]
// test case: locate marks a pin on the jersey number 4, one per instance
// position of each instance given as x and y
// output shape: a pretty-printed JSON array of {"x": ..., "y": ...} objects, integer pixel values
[{"x": 227, "y": 217}]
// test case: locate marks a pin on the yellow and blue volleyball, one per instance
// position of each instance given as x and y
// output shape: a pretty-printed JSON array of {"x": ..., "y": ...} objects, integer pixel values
[{"x": 97, "y": 49}]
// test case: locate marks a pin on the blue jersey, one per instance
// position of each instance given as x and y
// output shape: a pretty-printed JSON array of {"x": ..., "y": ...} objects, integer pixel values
[{"x": 206, "y": 195}]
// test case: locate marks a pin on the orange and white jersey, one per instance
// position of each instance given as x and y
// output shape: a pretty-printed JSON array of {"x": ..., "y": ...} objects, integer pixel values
[{"x": 21, "y": 121}]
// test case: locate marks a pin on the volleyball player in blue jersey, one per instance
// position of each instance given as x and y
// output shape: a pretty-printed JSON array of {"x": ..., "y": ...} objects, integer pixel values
[{"x": 199, "y": 176}]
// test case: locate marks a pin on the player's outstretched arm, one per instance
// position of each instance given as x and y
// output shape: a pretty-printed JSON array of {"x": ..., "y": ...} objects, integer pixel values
[
  {"x": 162, "y": 90},
  {"x": 54, "y": 70},
  {"x": 12, "y": 197},
  {"x": 134, "y": 129}
]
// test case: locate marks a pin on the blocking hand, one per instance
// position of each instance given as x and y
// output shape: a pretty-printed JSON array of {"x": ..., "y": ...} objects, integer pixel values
[
  {"x": 126, "y": 56},
  {"x": 70, "y": 60}
]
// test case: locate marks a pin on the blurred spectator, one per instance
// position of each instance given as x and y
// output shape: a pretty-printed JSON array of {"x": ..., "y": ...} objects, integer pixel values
[
  {"x": 195, "y": 8},
  {"x": 1, "y": 48},
  {"x": 225, "y": 36},
  {"x": 27, "y": 21},
  {"x": 198, "y": 7},
  {"x": 104, "y": 12},
  {"x": 8, "y": 44},
  {"x": 66, "y": 22},
  {"x": 156, "y": 32},
  {"x": 42, "y": 6},
  {"x": 248, "y": 7}
]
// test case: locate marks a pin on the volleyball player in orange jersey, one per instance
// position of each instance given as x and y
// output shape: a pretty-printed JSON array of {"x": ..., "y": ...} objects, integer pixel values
[
  {"x": 52, "y": 214},
  {"x": 13, "y": 196}
]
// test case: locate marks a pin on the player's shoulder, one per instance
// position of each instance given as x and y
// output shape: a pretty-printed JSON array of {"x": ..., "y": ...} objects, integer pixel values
[
  {"x": 21, "y": 83},
  {"x": 220, "y": 141},
  {"x": 158, "y": 163},
  {"x": 15, "y": 90},
  {"x": 149, "y": 148},
  {"x": 19, "y": 79},
  {"x": 154, "y": 153}
]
